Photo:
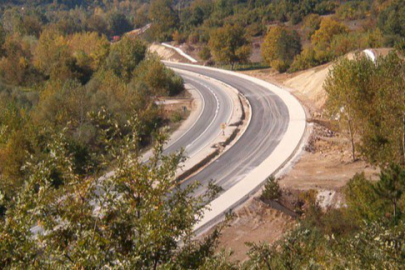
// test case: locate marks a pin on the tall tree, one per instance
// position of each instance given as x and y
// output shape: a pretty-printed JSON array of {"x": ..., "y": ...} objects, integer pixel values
[
  {"x": 2, "y": 39},
  {"x": 348, "y": 86},
  {"x": 118, "y": 24},
  {"x": 125, "y": 56},
  {"x": 391, "y": 20},
  {"x": 164, "y": 19},
  {"x": 383, "y": 141},
  {"x": 229, "y": 45},
  {"x": 280, "y": 46},
  {"x": 322, "y": 38},
  {"x": 391, "y": 186}
]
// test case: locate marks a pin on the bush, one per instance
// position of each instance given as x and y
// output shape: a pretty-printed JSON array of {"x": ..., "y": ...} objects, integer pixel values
[
  {"x": 193, "y": 38},
  {"x": 271, "y": 190},
  {"x": 256, "y": 29},
  {"x": 178, "y": 38},
  {"x": 205, "y": 53},
  {"x": 176, "y": 117},
  {"x": 279, "y": 65}
]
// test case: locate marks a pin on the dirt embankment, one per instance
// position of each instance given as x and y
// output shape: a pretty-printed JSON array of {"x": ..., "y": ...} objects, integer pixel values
[
  {"x": 167, "y": 53},
  {"x": 255, "y": 222}
]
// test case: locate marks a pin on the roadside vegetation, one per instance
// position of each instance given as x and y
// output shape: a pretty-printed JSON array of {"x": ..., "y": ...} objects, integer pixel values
[
  {"x": 291, "y": 36},
  {"x": 74, "y": 105}
]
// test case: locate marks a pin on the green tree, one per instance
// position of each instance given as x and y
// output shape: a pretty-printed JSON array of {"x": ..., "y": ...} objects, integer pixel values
[
  {"x": 118, "y": 24},
  {"x": 383, "y": 139},
  {"x": 368, "y": 100},
  {"x": 163, "y": 18},
  {"x": 229, "y": 45},
  {"x": 53, "y": 58},
  {"x": 2, "y": 39},
  {"x": 280, "y": 46},
  {"x": 362, "y": 200},
  {"x": 205, "y": 53},
  {"x": 312, "y": 22},
  {"x": 391, "y": 186},
  {"x": 137, "y": 218},
  {"x": 271, "y": 190},
  {"x": 160, "y": 79},
  {"x": 348, "y": 89},
  {"x": 391, "y": 20},
  {"x": 125, "y": 56},
  {"x": 322, "y": 38}
]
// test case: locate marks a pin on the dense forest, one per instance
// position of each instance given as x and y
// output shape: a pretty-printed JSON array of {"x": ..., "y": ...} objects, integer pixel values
[{"x": 75, "y": 105}]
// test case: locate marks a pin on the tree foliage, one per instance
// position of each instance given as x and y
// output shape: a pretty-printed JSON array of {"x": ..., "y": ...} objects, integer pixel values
[
  {"x": 271, "y": 190},
  {"x": 322, "y": 38},
  {"x": 279, "y": 48},
  {"x": 367, "y": 99},
  {"x": 136, "y": 218},
  {"x": 125, "y": 56},
  {"x": 164, "y": 19},
  {"x": 229, "y": 45}
]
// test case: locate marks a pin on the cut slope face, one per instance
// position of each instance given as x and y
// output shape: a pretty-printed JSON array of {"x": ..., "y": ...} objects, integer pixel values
[
  {"x": 310, "y": 83},
  {"x": 167, "y": 54}
]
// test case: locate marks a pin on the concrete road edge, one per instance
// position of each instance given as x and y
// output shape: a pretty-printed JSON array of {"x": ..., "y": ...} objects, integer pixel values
[{"x": 285, "y": 150}]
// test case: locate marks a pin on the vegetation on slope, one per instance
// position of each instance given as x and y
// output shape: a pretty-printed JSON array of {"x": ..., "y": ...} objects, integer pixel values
[{"x": 73, "y": 105}]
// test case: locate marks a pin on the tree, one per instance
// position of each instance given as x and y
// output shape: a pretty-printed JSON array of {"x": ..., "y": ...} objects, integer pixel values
[
  {"x": 118, "y": 24},
  {"x": 383, "y": 140},
  {"x": 2, "y": 39},
  {"x": 271, "y": 190},
  {"x": 391, "y": 20},
  {"x": 178, "y": 38},
  {"x": 323, "y": 37},
  {"x": 368, "y": 99},
  {"x": 391, "y": 186},
  {"x": 163, "y": 18},
  {"x": 229, "y": 45},
  {"x": 205, "y": 53},
  {"x": 361, "y": 199},
  {"x": 125, "y": 56},
  {"x": 98, "y": 24},
  {"x": 350, "y": 95},
  {"x": 15, "y": 142},
  {"x": 312, "y": 22},
  {"x": 160, "y": 79},
  {"x": 16, "y": 67},
  {"x": 280, "y": 46},
  {"x": 53, "y": 58},
  {"x": 89, "y": 49},
  {"x": 138, "y": 218}
]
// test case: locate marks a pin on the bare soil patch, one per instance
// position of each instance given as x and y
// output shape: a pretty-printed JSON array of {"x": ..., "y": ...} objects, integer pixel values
[{"x": 254, "y": 222}]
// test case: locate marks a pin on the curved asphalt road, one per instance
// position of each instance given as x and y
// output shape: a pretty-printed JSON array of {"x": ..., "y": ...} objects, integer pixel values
[
  {"x": 268, "y": 124},
  {"x": 217, "y": 109}
]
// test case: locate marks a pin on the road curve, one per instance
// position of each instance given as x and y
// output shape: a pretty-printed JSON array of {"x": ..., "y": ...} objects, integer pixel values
[
  {"x": 217, "y": 109},
  {"x": 273, "y": 136},
  {"x": 269, "y": 122}
]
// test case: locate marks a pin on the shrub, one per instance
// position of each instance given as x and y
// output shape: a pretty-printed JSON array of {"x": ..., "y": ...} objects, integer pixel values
[
  {"x": 205, "y": 53},
  {"x": 176, "y": 117},
  {"x": 271, "y": 190}
]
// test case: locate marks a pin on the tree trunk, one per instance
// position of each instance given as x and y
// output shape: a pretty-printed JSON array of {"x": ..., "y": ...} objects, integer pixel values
[
  {"x": 352, "y": 140},
  {"x": 403, "y": 139},
  {"x": 395, "y": 210}
]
